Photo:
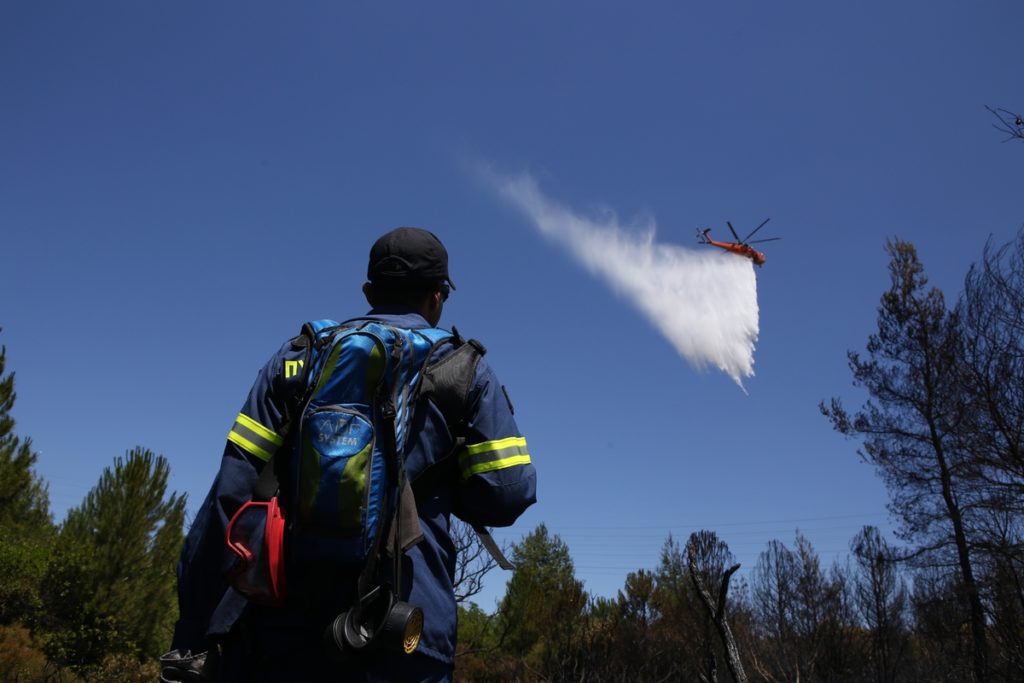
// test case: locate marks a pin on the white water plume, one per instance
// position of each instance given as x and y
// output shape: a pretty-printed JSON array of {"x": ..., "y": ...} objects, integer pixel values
[{"x": 703, "y": 302}]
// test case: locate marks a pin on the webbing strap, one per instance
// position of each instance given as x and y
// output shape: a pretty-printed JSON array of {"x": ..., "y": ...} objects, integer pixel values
[
  {"x": 445, "y": 469},
  {"x": 447, "y": 384},
  {"x": 267, "y": 485},
  {"x": 493, "y": 548},
  {"x": 403, "y": 530},
  {"x": 408, "y": 520}
]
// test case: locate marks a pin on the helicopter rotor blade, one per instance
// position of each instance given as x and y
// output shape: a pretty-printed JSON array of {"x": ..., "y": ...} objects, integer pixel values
[
  {"x": 756, "y": 229},
  {"x": 733, "y": 231},
  {"x": 766, "y": 239}
]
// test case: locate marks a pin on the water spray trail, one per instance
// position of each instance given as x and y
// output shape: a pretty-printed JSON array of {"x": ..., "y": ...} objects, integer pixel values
[{"x": 703, "y": 302}]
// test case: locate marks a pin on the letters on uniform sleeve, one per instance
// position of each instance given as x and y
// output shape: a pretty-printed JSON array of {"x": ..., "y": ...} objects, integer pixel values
[{"x": 262, "y": 424}]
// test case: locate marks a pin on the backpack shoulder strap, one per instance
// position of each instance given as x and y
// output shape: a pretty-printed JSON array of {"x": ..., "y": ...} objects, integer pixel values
[
  {"x": 268, "y": 484},
  {"x": 447, "y": 384},
  {"x": 448, "y": 381}
]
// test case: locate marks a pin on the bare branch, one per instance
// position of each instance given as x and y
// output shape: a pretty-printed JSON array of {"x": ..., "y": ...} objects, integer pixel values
[
  {"x": 472, "y": 561},
  {"x": 718, "y": 613}
]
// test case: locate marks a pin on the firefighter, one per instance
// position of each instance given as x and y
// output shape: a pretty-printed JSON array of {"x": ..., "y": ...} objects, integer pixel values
[{"x": 478, "y": 469}]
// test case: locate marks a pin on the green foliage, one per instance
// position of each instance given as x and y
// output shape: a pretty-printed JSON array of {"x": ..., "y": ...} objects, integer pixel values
[
  {"x": 478, "y": 654},
  {"x": 94, "y": 599},
  {"x": 79, "y": 633},
  {"x": 683, "y": 625},
  {"x": 477, "y": 630},
  {"x": 632, "y": 636},
  {"x": 24, "y": 500},
  {"x": 543, "y": 605},
  {"x": 672, "y": 584},
  {"x": 124, "y": 668},
  {"x": 23, "y": 565},
  {"x": 115, "y": 565},
  {"x": 26, "y": 531}
]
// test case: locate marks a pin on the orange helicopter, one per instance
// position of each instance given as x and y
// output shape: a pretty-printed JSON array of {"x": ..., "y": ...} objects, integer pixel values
[{"x": 741, "y": 247}]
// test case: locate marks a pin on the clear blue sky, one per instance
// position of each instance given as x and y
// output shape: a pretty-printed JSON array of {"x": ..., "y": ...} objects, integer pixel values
[{"x": 183, "y": 184}]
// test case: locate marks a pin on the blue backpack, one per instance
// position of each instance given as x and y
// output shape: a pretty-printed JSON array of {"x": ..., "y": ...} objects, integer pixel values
[
  {"x": 347, "y": 470},
  {"x": 349, "y": 501}
]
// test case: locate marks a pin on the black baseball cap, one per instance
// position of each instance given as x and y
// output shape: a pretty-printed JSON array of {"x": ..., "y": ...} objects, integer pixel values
[{"x": 408, "y": 256}]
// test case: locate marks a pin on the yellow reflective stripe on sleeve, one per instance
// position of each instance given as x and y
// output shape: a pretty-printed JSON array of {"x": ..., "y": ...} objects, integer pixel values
[
  {"x": 248, "y": 446},
  {"x": 498, "y": 445},
  {"x": 255, "y": 426},
  {"x": 493, "y": 455},
  {"x": 496, "y": 465},
  {"x": 254, "y": 438}
]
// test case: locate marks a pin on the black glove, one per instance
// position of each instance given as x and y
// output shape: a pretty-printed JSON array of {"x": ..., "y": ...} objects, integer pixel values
[{"x": 179, "y": 666}]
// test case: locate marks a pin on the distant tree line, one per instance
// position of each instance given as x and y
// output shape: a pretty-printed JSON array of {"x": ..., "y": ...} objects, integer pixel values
[
  {"x": 92, "y": 598},
  {"x": 943, "y": 425}
]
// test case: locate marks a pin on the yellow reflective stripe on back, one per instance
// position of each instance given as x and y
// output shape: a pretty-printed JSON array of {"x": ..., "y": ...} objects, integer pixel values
[
  {"x": 260, "y": 429},
  {"x": 248, "y": 446}
]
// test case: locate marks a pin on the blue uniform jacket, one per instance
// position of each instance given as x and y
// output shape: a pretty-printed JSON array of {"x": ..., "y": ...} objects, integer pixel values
[{"x": 493, "y": 483}]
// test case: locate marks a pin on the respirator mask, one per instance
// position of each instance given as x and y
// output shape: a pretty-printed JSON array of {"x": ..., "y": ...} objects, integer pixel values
[{"x": 378, "y": 623}]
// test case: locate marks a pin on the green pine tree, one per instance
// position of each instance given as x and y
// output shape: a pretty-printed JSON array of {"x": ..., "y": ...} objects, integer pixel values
[
  {"x": 26, "y": 530},
  {"x": 543, "y": 606},
  {"x": 24, "y": 499},
  {"x": 114, "y": 589}
]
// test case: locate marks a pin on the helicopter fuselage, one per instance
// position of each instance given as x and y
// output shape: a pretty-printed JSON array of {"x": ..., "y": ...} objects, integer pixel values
[{"x": 737, "y": 248}]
